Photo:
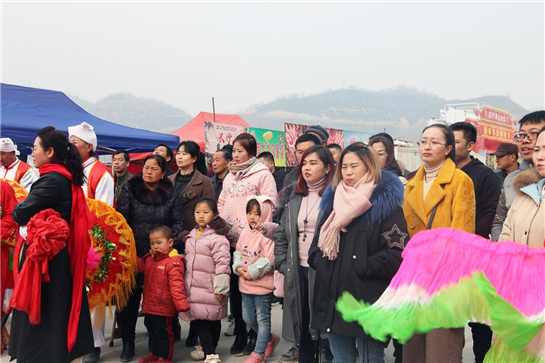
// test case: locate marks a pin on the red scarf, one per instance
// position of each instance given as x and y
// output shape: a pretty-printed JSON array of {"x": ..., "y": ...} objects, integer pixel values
[
  {"x": 78, "y": 247},
  {"x": 47, "y": 235}
]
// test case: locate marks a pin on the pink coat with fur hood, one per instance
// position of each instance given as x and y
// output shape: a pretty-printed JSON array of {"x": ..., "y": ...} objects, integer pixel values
[
  {"x": 207, "y": 272},
  {"x": 257, "y": 180},
  {"x": 255, "y": 253}
]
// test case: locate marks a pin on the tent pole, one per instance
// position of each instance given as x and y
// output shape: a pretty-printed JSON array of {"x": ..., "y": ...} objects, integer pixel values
[{"x": 213, "y": 109}]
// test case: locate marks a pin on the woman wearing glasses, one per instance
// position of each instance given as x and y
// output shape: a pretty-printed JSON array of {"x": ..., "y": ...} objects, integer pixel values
[
  {"x": 439, "y": 195},
  {"x": 526, "y": 140},
  {"x": 524, "y": 223}
]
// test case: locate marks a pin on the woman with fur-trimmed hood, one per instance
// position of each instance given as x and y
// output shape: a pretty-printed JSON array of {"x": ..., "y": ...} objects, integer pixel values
[
  {"x": 146, "y": 201},
  {"x": 526, "y": 218},
  {"x": 356, "y": 248}
]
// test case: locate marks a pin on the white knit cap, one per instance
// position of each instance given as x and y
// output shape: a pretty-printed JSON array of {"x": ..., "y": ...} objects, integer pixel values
[
  {"x": 85, "y": 132},
  {"x": 6, "y": 145}
]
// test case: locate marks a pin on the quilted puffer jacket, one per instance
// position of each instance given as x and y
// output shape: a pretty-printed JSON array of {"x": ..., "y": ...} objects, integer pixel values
[
  {"x": 207, "y": 271},
  {"x": 164, "y": 290}
]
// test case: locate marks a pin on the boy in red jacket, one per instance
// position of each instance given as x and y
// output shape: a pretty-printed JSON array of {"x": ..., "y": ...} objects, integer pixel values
[{"x": 164, "y": 293}]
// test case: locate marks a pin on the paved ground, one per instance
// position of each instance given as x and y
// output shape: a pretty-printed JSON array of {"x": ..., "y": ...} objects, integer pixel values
[{"x": 181, "y": 353}]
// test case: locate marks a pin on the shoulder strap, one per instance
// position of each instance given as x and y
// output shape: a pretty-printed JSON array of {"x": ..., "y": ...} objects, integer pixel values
[{"x": 433, "y": 212}]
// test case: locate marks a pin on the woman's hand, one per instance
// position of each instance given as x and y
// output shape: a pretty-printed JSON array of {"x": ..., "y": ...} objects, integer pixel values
[
  {"x": 261, "y": 228},
  {"x": 218, "y": 297}
]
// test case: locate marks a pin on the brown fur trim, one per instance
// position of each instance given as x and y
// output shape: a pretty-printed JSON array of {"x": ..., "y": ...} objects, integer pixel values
[
  {"x": 525, "y": 178},
  {"x": 143, "y": 194},
  {"x": 220, "y": 226}
]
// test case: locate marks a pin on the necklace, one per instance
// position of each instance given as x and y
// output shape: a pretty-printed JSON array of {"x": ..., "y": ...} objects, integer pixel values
[{"x": 305, "y": 221}]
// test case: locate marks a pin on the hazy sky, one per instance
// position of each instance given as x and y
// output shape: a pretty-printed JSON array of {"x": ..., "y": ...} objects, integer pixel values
[{"x": 248, "y": 53}]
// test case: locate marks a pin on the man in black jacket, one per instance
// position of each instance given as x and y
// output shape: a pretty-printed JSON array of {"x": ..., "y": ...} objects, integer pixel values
[
  {"x": 220, "y": 166},
  {"x": 487, "y": 193},
  {"x": 279, "y": 174},
  {"x": 507, "y": 155}
]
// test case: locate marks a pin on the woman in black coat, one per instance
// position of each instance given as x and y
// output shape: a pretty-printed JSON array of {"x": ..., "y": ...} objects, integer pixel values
[
  {"x": 357, "y": 248},
  {"x": 61, "y": 177},
  {"x": 146, "y": 201},
  {"x": 292, "y": 240}
]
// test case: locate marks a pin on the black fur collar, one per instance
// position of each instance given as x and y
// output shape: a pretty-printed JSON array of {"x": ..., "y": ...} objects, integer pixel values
[{"x": 144, "y": 195}]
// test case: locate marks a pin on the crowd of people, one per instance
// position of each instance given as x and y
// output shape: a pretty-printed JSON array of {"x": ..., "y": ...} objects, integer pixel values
[{"x": 251, "y": 235}]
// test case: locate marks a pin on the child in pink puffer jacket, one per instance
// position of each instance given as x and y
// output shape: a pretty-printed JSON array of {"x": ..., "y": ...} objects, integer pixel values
[
  {"x": 253, "y": 261},
  {"x": 207, "y": 254}
]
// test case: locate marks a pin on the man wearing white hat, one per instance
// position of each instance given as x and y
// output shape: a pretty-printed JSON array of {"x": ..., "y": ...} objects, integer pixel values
[
  {"x": 14, "y": 169},
  {"x": 99, "y": 185}
]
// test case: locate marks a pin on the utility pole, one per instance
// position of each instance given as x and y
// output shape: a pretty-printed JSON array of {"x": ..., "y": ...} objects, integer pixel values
[{"x": 213, "y": 109}]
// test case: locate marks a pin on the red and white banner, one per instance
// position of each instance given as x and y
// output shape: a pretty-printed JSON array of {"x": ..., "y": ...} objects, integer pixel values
[{"x": 495, "y": 115}]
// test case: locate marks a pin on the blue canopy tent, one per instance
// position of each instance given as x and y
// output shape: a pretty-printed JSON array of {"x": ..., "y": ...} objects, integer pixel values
[{"x": 26, "y": 110}]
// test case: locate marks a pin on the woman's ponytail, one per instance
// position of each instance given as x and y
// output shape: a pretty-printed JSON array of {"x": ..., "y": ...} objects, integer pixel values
[
  {"x": 64, "y": 152},
  {"x": 74, "y": 165},
  {"x": 200, "y": 164}
]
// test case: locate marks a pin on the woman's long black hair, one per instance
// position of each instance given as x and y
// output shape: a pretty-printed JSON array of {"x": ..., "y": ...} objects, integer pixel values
[
  {"x": 64, "y": 152},
  {"x": 194, "y": 150}
]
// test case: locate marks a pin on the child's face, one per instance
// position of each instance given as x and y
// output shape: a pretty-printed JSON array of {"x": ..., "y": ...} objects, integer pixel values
[
  {"x": 253, "y": 217},
  {"x": 203, "y": 215},
  {"x": 159, "y": 243}
]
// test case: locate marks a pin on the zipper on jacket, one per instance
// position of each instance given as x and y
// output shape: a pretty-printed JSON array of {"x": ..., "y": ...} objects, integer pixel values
[{"x": 298, "y": 304}]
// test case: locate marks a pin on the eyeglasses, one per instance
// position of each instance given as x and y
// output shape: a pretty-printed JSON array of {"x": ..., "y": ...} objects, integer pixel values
[
  {"x": 532, "y": 135},
  {"x": 429, "y": 143}
]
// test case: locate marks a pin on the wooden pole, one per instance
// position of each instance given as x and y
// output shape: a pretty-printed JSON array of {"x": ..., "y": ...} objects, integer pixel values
[{"x": 213, "y": 109}]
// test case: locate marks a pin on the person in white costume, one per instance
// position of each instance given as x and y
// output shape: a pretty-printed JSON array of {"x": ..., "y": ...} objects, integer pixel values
[{"x": 14, "y": 169}]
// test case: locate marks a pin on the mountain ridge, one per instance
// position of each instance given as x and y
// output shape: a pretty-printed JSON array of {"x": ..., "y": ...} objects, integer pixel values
[{"x": 402, "y": 111}]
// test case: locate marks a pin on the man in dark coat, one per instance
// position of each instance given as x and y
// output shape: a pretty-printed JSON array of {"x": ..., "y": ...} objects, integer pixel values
[
  {"x": 279, "y": 174},
  {"x": 304, "y": 142},
  {"x": 487, "y": 194},
  {"x": 507, "y": 155},
  {"x": 120, "y": 163},
  {"x": 220, "y": 166}
]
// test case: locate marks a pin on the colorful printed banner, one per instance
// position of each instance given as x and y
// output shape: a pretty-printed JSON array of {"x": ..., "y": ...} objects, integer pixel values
[
  {"x": 293, "y": 131},
  {"x": 217, "y": 135},
  {"x": 271, "y": 141}
]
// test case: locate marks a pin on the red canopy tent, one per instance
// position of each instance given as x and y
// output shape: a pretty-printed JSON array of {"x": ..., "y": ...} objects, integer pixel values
[{"x": 194, "y": 130}]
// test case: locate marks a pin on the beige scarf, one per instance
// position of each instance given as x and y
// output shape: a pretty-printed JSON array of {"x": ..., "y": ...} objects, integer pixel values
[
  {"x": 349, "y": 203},
  {"x": 239, "y": 170}
]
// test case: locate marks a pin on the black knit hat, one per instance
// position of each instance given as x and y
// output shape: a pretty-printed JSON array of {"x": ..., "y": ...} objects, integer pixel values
[{"x": 320, "y": 131}]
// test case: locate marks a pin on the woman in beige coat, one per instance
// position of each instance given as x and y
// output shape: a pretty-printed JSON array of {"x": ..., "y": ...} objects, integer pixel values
[{"x": 525, "y": 222}]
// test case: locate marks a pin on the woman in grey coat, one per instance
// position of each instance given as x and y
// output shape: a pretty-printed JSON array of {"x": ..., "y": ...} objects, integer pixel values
[{"x": 293, "y": 238}]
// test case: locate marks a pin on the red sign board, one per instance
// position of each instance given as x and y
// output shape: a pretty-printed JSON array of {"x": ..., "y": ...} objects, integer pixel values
[
  {"x": 496, "y": 116},
  {"x": 491, "y": 134}
]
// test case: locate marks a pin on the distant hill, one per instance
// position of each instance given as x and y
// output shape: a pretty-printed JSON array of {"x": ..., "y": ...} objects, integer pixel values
[
  {"x": 142, "y": 113},
  {"x": 403, "y": 111}
]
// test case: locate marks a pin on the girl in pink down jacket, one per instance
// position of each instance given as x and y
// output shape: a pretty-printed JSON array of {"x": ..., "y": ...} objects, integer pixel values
[
  {"x": 255, "y": 180},
  {"x": 207, "y": 252},
  {"x": 253, "y": 261}
]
